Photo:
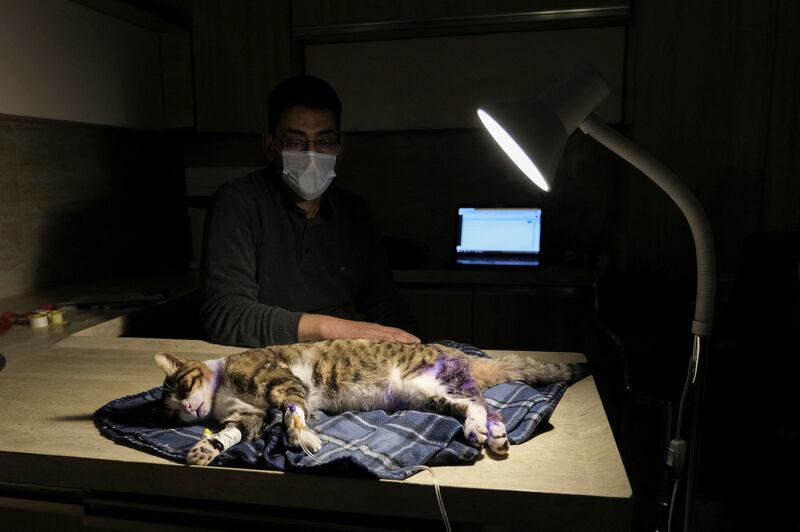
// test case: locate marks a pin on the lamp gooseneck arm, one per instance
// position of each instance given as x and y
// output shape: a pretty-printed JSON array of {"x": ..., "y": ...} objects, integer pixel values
[{"x": 686, "y": 202}]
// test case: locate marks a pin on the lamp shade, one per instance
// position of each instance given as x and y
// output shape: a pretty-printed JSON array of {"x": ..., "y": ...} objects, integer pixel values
[{"x": 534, "y": 131}]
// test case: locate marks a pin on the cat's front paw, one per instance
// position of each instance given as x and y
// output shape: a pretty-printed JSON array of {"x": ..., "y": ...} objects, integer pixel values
[
  {"x": 202, "y": 453},
  {"x": 304, "y": 437}
]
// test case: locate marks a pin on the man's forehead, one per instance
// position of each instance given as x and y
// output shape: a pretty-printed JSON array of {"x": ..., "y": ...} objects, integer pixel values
[{"x": 301, "y": 119}]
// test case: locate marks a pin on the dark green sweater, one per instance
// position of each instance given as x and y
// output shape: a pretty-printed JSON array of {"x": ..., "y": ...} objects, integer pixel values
[{"x": 265, "y": 264}]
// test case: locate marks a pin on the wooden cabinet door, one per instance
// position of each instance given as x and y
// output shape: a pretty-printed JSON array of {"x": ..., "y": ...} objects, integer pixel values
[
  {"x": 441, "y": 313},
  {"x": 535, "y": 318},
  {"x": 241, "y": 49}
]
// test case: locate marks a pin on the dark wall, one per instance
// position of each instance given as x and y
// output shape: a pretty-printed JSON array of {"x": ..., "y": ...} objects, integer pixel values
[
  {"x": 714, "y": 92},
  {"x": 80, "y": 200}
]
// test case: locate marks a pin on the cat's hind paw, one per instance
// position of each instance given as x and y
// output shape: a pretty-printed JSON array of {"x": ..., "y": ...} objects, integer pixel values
[
  {"x": 202, "y": 453},
  {"x": 475, "y": 432},
  {"x": 497, "y": 442},
  {"x": 304, "y": 438}
]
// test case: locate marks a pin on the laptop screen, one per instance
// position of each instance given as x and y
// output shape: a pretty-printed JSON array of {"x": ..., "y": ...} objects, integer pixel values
[{"x": 511, "y": 233}]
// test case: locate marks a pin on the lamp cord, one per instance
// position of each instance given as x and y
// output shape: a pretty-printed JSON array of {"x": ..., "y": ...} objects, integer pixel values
[
  {"x": 436, "y": 486},
  {"x": 677, "y": 453},
  {"x": 691, "y": 376}
]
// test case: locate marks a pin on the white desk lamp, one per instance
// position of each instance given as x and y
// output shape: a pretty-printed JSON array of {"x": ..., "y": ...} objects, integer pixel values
[{"x": 542, "y": 125}]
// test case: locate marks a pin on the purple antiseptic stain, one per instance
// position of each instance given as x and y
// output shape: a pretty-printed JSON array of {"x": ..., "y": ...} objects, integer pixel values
[
  {"x": 455, "y": 374},
  {"x": 493, "y": 419}
]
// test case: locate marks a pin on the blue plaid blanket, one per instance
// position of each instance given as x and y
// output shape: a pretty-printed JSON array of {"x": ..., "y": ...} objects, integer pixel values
[{"x": 374, "y": 444}]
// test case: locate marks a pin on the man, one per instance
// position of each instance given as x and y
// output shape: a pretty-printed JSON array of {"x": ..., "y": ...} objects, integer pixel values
[{"x": 288, "y": 256}]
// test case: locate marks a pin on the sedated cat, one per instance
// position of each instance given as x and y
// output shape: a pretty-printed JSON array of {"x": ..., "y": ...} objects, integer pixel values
[{"x": 339, "y": 375}]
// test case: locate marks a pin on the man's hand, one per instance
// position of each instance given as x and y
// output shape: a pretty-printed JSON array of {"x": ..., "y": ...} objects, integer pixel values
[{"x": 318, "y": 327}]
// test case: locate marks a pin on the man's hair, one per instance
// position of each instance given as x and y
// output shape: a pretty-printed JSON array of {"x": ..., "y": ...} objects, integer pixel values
[{"x": 308, "y": 91}]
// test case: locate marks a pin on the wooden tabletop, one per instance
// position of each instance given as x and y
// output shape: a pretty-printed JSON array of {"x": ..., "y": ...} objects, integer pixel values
[{"x": 570, "y": 477}]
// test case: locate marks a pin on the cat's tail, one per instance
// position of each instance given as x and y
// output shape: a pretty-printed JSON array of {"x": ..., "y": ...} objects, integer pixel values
[{"x": 491, "y": 371}]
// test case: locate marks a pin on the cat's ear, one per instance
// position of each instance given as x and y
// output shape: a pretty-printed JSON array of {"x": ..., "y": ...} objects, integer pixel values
[{"x": 168, "y": 362}]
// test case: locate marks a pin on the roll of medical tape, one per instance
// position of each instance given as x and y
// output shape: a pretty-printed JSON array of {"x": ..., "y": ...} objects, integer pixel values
[
  {"x": 56, "y": 316},
  {"x": 38, "y": 320}
]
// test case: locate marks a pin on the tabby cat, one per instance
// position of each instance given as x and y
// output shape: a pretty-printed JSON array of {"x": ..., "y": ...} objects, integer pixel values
[{"x": 339, "y": 375}]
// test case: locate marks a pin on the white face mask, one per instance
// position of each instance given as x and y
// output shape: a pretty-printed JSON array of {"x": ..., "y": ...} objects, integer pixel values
[{"x": 308, "y": 173}]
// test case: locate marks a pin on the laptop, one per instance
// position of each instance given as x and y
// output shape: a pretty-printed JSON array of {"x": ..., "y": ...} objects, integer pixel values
[{"x": 498, "y": 237}]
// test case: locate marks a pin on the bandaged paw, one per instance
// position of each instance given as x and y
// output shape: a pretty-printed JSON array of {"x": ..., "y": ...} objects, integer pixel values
[
  {"x": 298, "y": 432},
  {"x": 294, "y": 417}
]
